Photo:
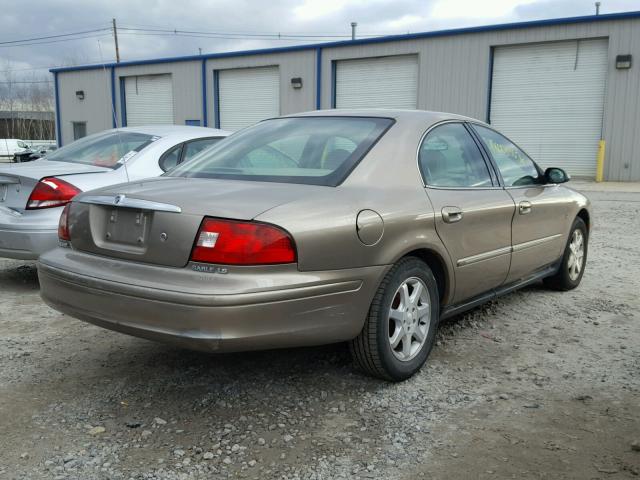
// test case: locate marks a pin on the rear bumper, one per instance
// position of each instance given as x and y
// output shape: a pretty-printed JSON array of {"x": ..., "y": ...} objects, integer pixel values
[
  {"x": 303, "y": 309},
  {"x": 27, "y": 236},
  {"x": 26, "y": 244}
]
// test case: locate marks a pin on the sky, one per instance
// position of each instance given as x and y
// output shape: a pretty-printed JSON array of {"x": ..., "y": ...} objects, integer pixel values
[{"x": 146, "y": 28}]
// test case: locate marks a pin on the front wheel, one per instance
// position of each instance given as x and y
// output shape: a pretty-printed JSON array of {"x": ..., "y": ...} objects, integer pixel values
[
  {"x": 400, "y": 329},
  {"x": 573, "y": 261}
]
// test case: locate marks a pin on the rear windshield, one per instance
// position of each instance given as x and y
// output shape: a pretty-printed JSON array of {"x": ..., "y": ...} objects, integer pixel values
[
  {"x": 312, "y": 150},
  {"x": 109, "y": 149}
]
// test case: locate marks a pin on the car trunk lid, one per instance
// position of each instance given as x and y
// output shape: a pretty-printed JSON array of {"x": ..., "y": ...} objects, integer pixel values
[
  {"x": 17, "y": 180},
  {"x": 156, "y": 221}
]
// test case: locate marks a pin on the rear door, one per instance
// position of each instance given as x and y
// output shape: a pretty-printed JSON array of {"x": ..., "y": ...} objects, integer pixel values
[
  {"x": 473, "y": 213},
  {"x": 541, "y": 209}
]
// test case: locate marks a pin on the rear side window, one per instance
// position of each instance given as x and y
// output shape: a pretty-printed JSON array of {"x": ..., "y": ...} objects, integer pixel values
[
  {"x": 449, "y": 157},
  {"x": 194, "y": 147},
  {"x": 185, "y": 152},
  {"x": 109, "y": 149},
  {"x": 171, "y": 158},
  {"x": 516, "y": 168},
  {"x": 311, "y": 150}
]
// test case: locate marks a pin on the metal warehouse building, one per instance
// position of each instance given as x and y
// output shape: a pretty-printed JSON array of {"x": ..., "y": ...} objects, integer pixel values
[{"x": 556, "y": 87}]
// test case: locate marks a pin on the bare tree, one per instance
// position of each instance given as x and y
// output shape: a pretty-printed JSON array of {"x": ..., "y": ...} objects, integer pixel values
[{"x": 27, "y": 105}]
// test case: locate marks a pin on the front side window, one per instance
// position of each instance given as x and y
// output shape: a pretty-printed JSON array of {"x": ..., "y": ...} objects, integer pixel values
[
  {"x": 311, "y": 150},
  {"x": 449, "y": 157},
  {"x": 109, "y": 149},
  {"x": 516, "y": 168}
]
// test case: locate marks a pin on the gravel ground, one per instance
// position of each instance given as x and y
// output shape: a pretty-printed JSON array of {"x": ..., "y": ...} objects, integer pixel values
[{"x": 538, "y": 384}]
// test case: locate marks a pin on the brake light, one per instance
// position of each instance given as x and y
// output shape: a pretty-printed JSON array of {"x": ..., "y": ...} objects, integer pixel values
[
  {"x": 233, "y": 242},
  {"x": 63, "y": 225},
  {"x": 51, "y": 192}
]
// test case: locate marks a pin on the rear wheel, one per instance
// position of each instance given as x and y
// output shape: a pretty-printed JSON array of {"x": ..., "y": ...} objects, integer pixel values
[
  {"x": 400, "y": 329},
  {"x": 574, "y": 259}
]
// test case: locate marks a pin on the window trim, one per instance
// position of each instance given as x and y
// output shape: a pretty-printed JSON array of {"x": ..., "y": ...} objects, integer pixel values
[
  {"x": 493, "y": 170},
  {"x": 495, "y": 181},
  {"x": 495, "y": 164}
]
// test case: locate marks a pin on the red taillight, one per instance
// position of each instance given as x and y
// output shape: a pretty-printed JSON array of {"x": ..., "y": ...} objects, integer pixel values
[
  {"x": 63, "y": 225},
  {"x": 232, "y": 242},
  {"x": 51, "y": 192}
]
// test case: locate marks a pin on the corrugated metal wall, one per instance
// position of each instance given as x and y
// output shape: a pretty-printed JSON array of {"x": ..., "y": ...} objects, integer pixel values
[
  {"x": 187, "y": 91},
  {"x": 454, "y": 73},
  {"x": 622, "y": 105},
  {"x": 290, "y": 64},
  {"x": 95, "y": 109}
]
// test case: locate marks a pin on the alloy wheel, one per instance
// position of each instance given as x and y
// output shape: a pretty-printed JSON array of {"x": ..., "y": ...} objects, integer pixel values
[
  {"x": 576, "y": 255},
  {"x": 409, "y": 319}
]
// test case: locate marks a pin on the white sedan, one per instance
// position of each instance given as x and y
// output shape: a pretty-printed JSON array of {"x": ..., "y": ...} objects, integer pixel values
[{"x": 32, "y": 195}]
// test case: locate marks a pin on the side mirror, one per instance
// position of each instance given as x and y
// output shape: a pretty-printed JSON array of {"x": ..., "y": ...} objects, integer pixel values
[{"x": 556, "y": 175}]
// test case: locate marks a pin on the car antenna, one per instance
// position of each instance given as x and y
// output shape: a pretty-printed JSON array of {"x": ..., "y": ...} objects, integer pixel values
[{"x": 113, "y": 114}]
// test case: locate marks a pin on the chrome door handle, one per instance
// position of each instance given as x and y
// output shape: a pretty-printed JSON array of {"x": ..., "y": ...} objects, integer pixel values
[
  {"x": 524, "y": 207},
  {"x": 451, "y": 214}
]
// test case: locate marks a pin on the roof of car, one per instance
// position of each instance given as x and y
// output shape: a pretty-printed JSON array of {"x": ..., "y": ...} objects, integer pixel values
[
  {"x": 398, "y": 114},
  {"x": 166, "y": 130}
]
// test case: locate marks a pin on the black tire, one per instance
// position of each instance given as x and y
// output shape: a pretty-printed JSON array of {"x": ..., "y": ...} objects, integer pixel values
[
  {"x": 371, "y": 350},
  {"x": 562, "y": 280}
]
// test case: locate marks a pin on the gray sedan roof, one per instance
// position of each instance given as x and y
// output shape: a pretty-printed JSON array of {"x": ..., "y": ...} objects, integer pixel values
[{"x": 422, "y": 116}]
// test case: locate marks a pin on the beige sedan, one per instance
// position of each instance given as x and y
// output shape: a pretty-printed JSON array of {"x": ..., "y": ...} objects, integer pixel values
[{"x": 366, "y": 226}]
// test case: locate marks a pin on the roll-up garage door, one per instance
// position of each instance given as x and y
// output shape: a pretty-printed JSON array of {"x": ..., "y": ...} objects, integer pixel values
[
  {"x": 149, "y": 100},
  {"x": 384, "y": 82},
  {"x": 549, "y": 99},
  {"x": 248, "y": 95}
]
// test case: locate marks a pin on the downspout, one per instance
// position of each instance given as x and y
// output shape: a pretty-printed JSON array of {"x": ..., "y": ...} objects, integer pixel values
[
  {"x": 57, "y": 102},
  {"x": 318, "y": 78},
  {"x": 204, "y": 93}
]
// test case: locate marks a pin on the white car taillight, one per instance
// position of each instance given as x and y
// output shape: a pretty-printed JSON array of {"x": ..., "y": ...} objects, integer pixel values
[{"x": 51, "y": 192}]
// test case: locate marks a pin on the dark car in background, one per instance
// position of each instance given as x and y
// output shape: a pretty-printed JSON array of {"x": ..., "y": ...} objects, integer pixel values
[{"x": 33, "y": 153}]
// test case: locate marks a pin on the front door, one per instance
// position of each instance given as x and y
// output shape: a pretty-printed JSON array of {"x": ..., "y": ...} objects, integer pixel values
[
  {"x": 541, "y": 211},
  {"x": 473, "y": 213}
]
